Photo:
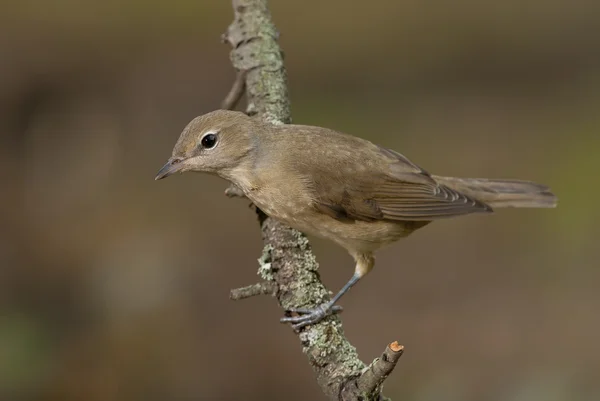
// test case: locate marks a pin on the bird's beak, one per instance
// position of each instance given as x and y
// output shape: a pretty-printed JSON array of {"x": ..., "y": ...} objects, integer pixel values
[{"x": 171, "y": 167}]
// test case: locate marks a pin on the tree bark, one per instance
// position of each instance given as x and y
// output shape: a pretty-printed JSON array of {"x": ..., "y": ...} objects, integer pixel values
[{"x": 288, "y": 265}]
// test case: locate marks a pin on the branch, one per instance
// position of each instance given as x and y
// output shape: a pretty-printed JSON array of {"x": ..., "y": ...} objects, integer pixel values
[
  {"x": 236, "y": 91},
  {"x": 367, "y": 386},
  {"x": 262, "y": 288},
  {"x": 287, "y": 260},
  {"x": 253, "y": 38}
]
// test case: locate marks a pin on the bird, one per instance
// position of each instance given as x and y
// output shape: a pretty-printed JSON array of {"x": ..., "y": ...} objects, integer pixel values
[{"x": 336, "y": 186}]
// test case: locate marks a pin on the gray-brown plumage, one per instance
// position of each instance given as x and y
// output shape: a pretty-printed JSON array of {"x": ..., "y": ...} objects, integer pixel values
[{"x": 340, "y": 187}]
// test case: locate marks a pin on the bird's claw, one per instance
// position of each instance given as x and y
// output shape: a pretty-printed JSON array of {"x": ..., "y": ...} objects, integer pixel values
[{"x": 308, "y": 316}]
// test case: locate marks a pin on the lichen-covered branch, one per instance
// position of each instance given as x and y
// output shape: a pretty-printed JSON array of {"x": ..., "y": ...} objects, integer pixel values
[
  {"x": 287, "y": 259},
  {"x": 253, "y": 38}
]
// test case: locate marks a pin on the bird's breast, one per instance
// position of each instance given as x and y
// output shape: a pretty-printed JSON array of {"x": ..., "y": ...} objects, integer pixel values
[{"x": 280, "y": 204}]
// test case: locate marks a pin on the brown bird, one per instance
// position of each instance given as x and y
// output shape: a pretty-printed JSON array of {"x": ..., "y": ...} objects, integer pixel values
[{"x": 336, "y": 186}]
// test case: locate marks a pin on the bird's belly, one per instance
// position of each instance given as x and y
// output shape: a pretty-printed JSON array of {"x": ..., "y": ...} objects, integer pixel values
[
  {"x": 355, "y": 236},
  {"x": 358, "y": 236}
]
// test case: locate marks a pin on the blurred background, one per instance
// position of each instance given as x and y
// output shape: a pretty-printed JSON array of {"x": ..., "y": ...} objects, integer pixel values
[{"x": 115, "y": 287}]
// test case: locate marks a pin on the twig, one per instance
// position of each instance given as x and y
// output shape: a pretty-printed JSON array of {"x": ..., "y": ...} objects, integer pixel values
[
  {"x": 262, "y": 288},
  {"x": 369, "y": 383},
  {"x": 236, "y": 91}
]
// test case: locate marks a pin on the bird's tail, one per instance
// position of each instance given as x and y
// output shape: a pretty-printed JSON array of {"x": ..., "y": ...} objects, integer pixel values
[{"x": 502, "y": 193}]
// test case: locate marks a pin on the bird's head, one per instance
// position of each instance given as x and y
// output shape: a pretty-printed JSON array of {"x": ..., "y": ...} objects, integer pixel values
[{"x": 214, "y": 143}]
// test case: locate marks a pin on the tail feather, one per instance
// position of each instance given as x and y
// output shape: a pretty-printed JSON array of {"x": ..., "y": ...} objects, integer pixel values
[{"x": 502, "y": 193}]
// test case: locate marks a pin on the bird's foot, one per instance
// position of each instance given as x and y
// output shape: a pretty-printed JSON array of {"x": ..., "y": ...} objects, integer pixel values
[{"x": 308, "y": 316}]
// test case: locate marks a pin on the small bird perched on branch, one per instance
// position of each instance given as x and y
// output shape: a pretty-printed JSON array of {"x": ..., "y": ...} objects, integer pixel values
[{"x": 336, "y": 186}]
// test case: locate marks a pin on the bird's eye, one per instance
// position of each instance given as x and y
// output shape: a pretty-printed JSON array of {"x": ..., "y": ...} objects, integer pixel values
[{"x": 208, "y": 141}]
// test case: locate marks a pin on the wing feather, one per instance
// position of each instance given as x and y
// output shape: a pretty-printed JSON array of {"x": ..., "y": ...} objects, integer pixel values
[{"x": 403, "y": 192}]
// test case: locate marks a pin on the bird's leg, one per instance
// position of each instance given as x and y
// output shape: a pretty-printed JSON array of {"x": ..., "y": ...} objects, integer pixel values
[{"x": 308, "y": 316}]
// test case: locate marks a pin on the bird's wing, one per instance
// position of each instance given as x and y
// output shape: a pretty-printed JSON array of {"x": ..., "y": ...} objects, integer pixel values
[{"x": 401, "y": 191}]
